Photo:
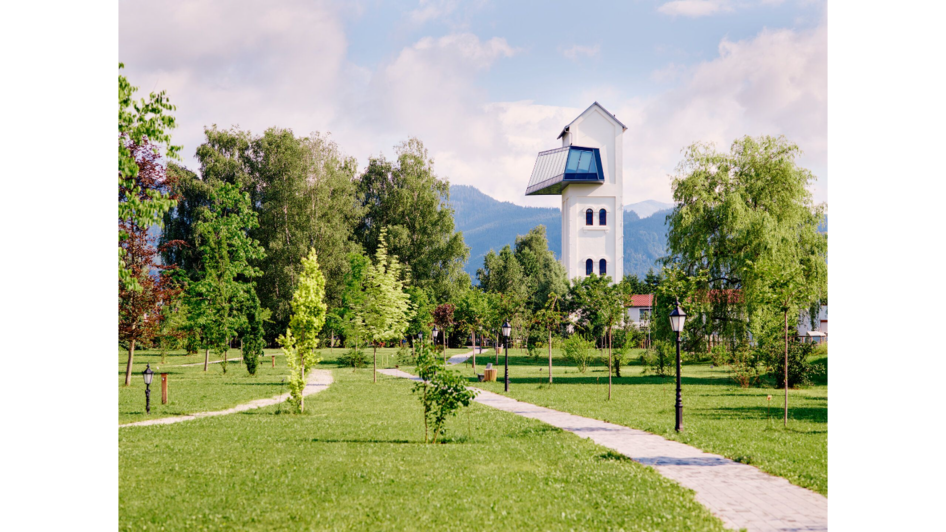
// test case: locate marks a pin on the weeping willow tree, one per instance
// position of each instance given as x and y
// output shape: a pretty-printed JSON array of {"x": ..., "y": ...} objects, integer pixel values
[{"x": 745, "y": 232}]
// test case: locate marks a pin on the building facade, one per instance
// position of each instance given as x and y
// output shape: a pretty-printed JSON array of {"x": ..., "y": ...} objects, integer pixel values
[{"x": 587, "y": 171}]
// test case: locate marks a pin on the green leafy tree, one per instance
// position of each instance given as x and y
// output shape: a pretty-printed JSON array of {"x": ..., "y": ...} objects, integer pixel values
[
  {"x": 579, "y": 351},
  {"x": 385, "y": 311},
  {"x": 144, "y": 122},
  {"x": 423, "y": 314},
  {"x": 225, "y": 285},
  {"x": 471, "y": 314},
  {"x": 406, "y": 199},
  {"x": 550, "y": 319},
  {"x": 746, "y": 220},
  {"x": 444, "y": 319},
  {"x": 301, "y": 341}
]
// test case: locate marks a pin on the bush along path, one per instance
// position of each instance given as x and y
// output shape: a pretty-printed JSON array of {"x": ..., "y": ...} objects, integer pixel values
[
  {"x": 319, "y": 380},
  {"x": 741, "y": 495}
]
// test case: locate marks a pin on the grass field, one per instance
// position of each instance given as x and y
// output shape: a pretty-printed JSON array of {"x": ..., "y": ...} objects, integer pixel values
[
  {"x": 190, "y": 389},
  {"x": 356, "y": 461},
  {"x": 718, "y": 416}
]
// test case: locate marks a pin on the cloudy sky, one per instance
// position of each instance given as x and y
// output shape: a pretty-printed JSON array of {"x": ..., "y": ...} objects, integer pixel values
[{"x": 488, "y": 84}]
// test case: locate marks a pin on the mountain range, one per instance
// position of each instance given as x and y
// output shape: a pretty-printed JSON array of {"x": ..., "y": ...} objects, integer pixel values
[{"x": 488, "y": 223}]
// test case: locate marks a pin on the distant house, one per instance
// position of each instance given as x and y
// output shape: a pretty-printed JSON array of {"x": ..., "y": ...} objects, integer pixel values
[
  {"x": 818, "y": 333},
  {"x": 639, "y": 310}
]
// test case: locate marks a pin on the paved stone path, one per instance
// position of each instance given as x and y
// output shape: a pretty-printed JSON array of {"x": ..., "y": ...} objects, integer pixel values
[
  {"x": 461, "y": 358},
  {"x": 319, "y": 380},
  {"x": 739, "y": 494}
]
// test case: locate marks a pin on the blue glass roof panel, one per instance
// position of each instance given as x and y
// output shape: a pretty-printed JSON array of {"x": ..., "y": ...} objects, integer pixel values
[{"x": 554, "y": 169}]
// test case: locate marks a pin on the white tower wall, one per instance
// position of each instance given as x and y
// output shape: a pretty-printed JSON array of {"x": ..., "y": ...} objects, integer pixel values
[{"x": 595, "y": 129}]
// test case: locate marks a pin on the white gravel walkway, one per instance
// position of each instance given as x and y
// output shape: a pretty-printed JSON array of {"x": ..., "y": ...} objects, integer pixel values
[
  {"x": 461, "y": 358},
  {"x": 739, "y": 494},
  {"x": 319, "y": 380}
]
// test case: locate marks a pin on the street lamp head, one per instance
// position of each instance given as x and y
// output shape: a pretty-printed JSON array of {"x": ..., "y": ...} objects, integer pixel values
[
  {"x": 677, "y": 317},
  {"x": 435, "y": 332},
  {"x": 507, "y": 329},
  {"x": 148, "y": 375},
  {"x": 420, "y": 335}
]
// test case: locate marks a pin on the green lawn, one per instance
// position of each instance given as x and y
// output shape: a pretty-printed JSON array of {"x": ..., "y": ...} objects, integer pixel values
[
  {"x": 718, "y": 416},
  {"x": 355, "y": 461},
  {"x": 190, "y": 389}
]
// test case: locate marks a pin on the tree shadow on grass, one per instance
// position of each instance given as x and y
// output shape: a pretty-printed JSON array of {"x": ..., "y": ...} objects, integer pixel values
[
  {"x": 798, "y": 413},
  {"x": 329, "y": 440},
  {"x": 603, "y": 379}
]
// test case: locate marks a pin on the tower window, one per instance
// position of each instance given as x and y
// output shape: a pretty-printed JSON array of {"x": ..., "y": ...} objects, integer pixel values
[
  {"x": 603, "y": 267},
  {"x": 602, "y": 217},
  {"x": 589, "y": 267},
  {"x": 589, "y": 217}
]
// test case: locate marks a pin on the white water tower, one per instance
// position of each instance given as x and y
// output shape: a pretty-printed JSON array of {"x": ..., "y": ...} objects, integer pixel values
[{"x": 587, "y": 172}]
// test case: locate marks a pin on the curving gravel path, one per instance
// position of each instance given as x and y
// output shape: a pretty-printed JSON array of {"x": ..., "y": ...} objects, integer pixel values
[{"x": 319, "y": 380}]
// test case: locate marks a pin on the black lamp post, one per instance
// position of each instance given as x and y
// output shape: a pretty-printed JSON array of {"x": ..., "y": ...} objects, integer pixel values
[
  {"x": 506, "y": 330},
  {"x": 434, "y": 334},
  {"x": 148, "y": 375},
  {"x": 677, "y": 317}
]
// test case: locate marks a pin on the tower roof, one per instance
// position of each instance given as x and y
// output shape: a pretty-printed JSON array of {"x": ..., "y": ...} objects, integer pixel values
[
  {"x": 590, "y": 107},
  {"x": 555, "y": 169}
]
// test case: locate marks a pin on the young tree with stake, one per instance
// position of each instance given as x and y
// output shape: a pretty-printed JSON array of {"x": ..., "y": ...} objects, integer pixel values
[{"x": 301, "y": 341}]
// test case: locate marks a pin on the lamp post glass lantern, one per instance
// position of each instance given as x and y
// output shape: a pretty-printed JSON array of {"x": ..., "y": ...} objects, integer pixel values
[
  {"x": 148, "y": 376},
  {"x": 506, "y": 331},
  {"x": 677, "y": 319}
]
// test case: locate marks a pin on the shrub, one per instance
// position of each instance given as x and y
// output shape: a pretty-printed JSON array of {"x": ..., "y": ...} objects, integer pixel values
[
  {"x": 659, "y": 360},
  {"x": 404, "y": 356},
  {"x": 442, "y": 392},
  {"x": 354, "y": 357},
  {"x": 579, "y": 351},
  {"x": 800, "y": 370}
]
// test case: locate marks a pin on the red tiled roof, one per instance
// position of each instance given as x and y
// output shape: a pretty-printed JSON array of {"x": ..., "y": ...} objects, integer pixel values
[{"x": 642, "y": 300}]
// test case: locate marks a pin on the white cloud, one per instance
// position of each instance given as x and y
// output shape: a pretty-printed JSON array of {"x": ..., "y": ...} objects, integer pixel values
[
  {"x": 257, "y": 66},
  {"x": 433, "y": 9},
  {"x": 578, "y": 50},
  {"x": 774, "y": 83},
  {"x": 694, "y": 8}
]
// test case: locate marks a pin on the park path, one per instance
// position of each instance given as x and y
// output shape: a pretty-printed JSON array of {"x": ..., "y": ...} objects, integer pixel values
[
  {"x": 739, "y": 494},
  {"x": 461, "y": 358},
  {"x": 319, "y": 380}
]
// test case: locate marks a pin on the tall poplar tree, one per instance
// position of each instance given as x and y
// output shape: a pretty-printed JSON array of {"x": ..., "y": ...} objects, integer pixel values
[{"x": 301, "y": 341}]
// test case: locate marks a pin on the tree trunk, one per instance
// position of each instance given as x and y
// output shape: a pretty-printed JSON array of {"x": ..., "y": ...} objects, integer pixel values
[
  {"x": 497, "y": 351},
  {"x": 375, "y": 370},
  {"x": 550, "y": 356},
  {"x": 131, "y": 357},
  {"x": 302, "y": 393},
  {"x": 609, "y": 363},
  {"x": 206, "y": 358},
  {"x": 242, "y": 355},
  {"x": 785, "y": 420},
  {"x": 474, "y": 351},
  {"x": 444, "y": 357},
  {"x": 225, "y": 353}
]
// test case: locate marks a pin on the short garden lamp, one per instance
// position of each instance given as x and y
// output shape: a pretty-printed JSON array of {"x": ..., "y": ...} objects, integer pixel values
[
  {"x": 677, "y": 318},
  {"x": 149, "y": 376},
  {"x": 506, "y": 331}
]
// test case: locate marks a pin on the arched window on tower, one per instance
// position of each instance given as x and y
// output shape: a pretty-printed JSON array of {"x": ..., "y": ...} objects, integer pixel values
[
  {"x": 602, "y": 217},
  {"x": 602, "y": 267},
  {"x": 589, "y": 267},
  {"x": 589, "y": 217}
]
